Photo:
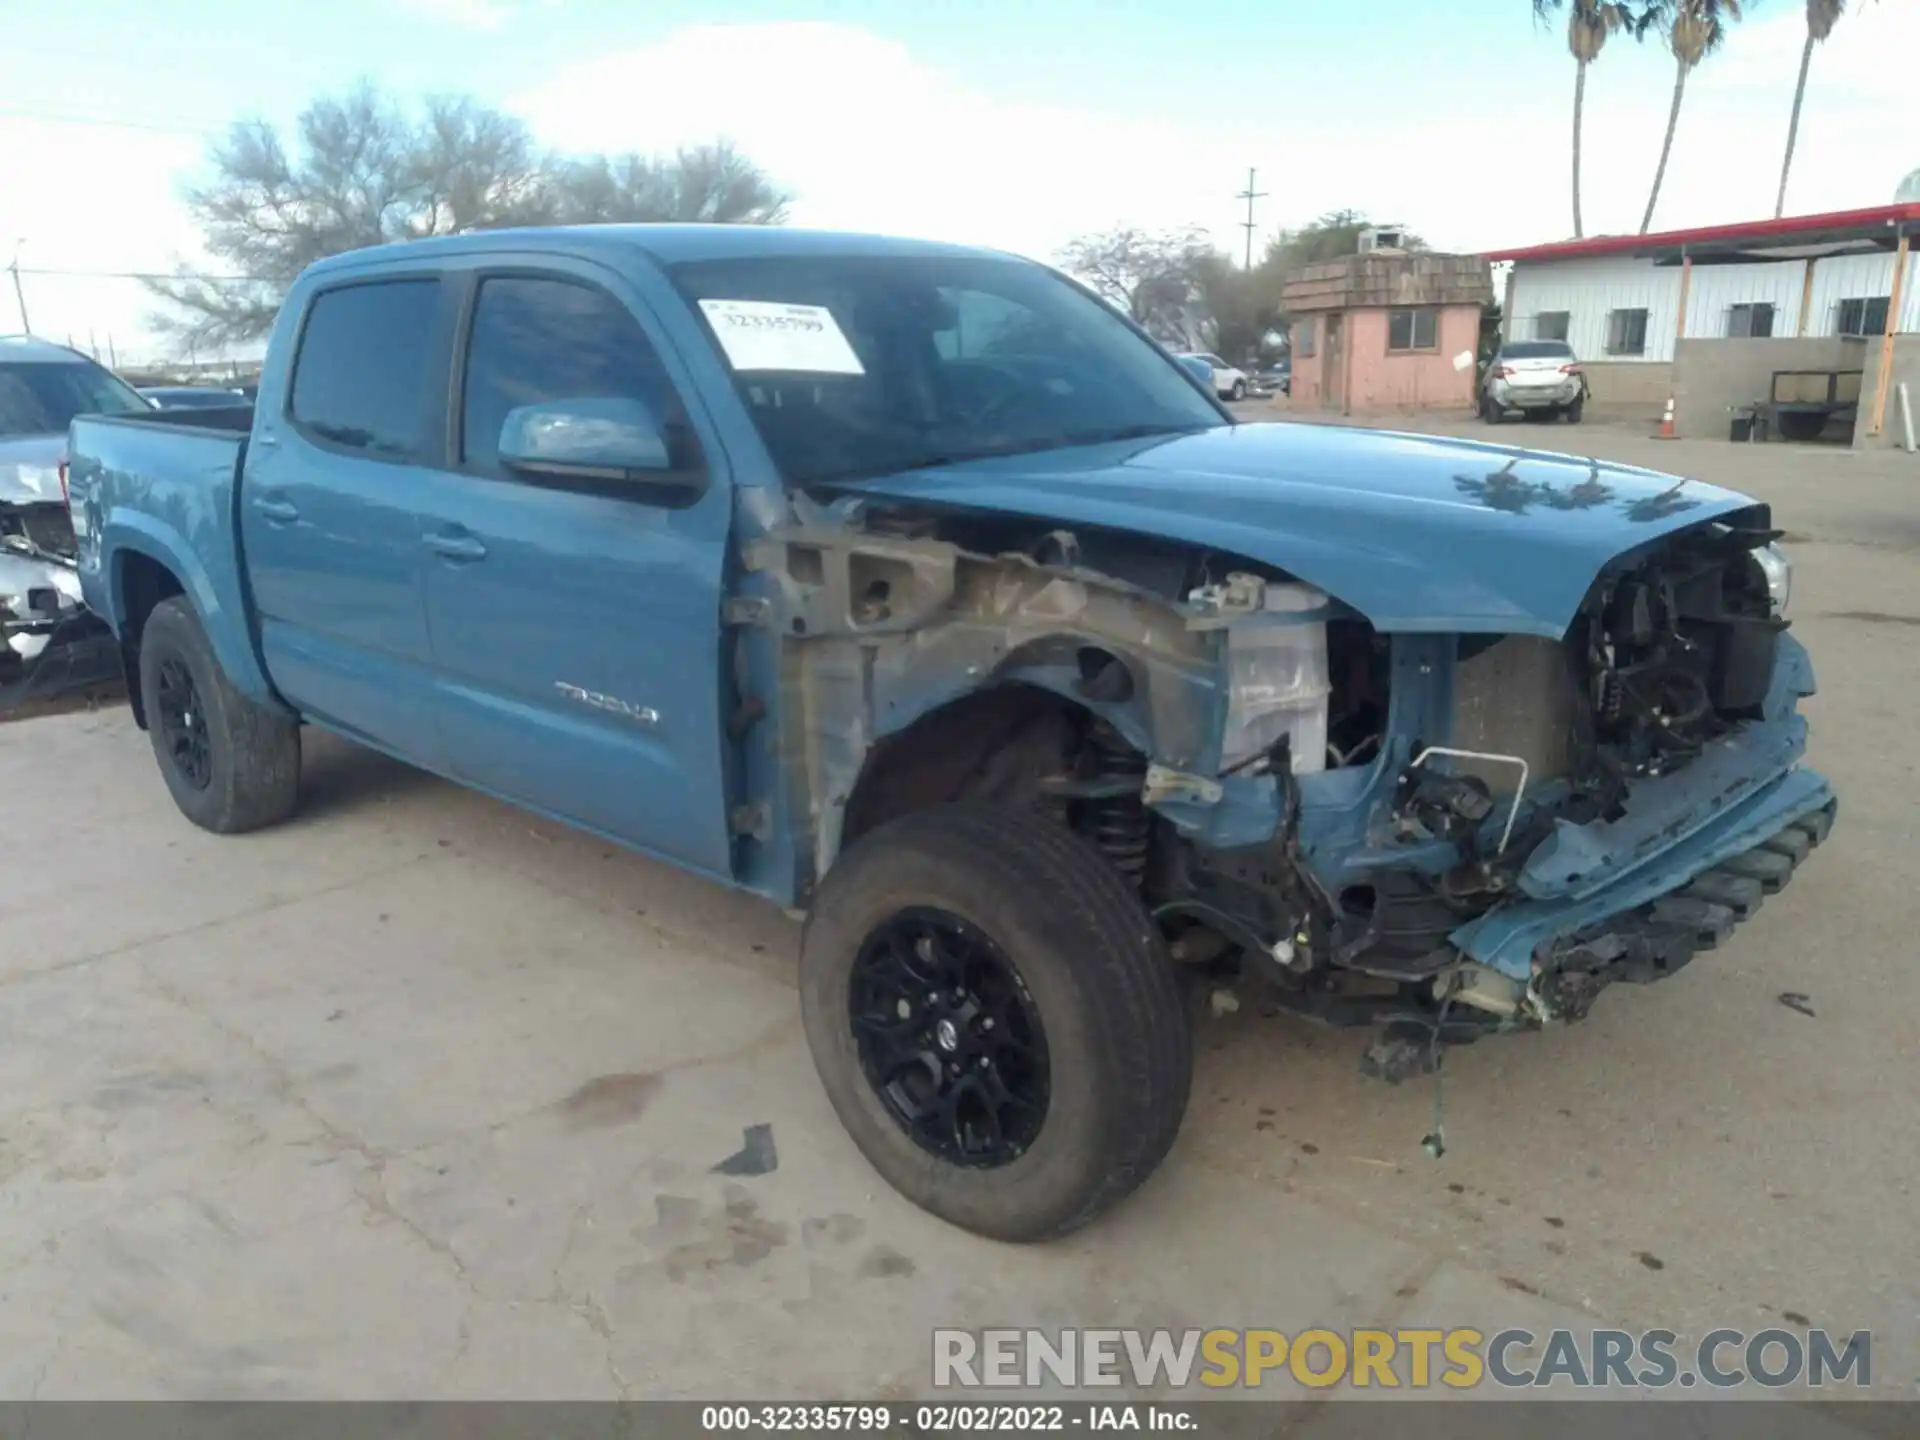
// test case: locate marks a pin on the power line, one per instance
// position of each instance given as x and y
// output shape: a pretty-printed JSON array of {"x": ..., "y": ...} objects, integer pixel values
[
  {"x": 77, "y": 117},
  {"x": 143, "y": 275}
]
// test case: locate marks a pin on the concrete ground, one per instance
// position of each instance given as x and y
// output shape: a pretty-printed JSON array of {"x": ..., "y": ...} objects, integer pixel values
[{"x": 418, "y": 1096}]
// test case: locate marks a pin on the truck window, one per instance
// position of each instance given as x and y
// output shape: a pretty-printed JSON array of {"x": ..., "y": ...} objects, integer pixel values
[
  {"x": 908, "y": 362},
  {"x": 360, "y": 376},
  {"x": 540, "y": 339}
]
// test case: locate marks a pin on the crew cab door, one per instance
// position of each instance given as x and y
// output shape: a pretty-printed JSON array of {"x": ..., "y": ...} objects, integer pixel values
[
  {"x": 576, "y": 622},
  {"x": 328, "y": 524}
]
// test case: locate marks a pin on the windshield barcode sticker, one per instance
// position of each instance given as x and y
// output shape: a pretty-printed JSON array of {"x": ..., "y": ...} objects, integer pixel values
[{"x": 768, "y": 335}]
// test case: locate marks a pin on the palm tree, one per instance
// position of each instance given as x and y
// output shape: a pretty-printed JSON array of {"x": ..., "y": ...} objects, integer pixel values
[
  {"x": 1822, "y": 16},
  {"x": 1589, "y": 23},
  {"x": 1695, "y": 29}
]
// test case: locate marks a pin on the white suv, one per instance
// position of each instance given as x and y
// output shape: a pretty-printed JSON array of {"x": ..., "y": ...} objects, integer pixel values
[
  {"x": 1228, "y": 383},
  {"x": 1535, "y": 377}
]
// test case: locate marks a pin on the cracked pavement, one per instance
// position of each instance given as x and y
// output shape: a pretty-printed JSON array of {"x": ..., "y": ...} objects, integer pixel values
[{"x": 419, "y": 1096}]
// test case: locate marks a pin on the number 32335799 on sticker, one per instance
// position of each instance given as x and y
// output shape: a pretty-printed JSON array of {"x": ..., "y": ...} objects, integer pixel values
[{"x": 771, "y": 335}]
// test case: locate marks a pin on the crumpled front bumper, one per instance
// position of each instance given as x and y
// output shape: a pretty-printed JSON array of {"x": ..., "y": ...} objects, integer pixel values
[
  {"x": 1654, "y": 919},
  {"x": 50, "y": 642},
  {"x": 1741, "y": 795}
]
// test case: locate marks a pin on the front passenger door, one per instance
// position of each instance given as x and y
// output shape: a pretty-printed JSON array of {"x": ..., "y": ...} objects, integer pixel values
[{"x": 576, "y": 626}]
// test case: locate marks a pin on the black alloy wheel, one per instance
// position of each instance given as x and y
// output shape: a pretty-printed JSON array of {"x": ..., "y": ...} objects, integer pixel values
[
  {"x": 183, "y": 724},
  {"x": 949, "y": 1038}
]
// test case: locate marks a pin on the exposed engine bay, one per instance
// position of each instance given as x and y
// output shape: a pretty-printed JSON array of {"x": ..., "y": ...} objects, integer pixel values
[{"x": 1303, "y": 803}]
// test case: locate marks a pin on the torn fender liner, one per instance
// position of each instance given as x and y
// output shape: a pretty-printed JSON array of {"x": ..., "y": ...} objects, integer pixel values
[
  {"x": 1419, "y": 534},
  {"x": 1507, "y": 938}
]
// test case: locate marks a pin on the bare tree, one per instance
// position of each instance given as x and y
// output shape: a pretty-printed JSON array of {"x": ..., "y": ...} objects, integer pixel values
[
  {"x": 361, "y": 170},
  {"x": 1242, "y": 307},
  {"x": 1152, "y": 275},
  {"x": 708, "y": 183}
]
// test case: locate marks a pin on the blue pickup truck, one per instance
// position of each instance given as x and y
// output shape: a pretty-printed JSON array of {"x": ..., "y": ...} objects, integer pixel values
[{"x": 914, "y": 588}]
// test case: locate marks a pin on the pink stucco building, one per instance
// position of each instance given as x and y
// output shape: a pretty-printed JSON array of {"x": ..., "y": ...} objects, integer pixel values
[{"x": 1384, "y": 330}]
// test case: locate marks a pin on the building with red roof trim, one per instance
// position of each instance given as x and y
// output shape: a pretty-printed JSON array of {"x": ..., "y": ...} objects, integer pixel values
[{"x": 1714, "y": 317}]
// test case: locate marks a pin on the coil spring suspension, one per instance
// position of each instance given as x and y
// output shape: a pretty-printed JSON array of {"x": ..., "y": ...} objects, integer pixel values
[
  {"x": 1119, "y": 822},
  {"x": 1612, "y": 698}
]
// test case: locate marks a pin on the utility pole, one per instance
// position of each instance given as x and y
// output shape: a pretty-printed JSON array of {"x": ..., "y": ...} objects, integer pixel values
[
  {"x": 20, "y": 294},
  {"x": 1250, "y": 195}
]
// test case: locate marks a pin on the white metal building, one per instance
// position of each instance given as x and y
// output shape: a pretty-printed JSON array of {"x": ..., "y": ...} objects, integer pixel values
[
  {"x": 1618, "y": 299},
  {"x": 1624, "y": 308}
]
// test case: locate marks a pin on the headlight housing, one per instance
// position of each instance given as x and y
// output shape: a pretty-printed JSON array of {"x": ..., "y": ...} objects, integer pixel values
[{"x": 1778, "y": 570}]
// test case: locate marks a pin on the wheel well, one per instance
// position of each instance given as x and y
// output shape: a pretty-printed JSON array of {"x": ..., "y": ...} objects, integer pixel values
[
  {"x": 144, "y": 583},
  {"x": 994, "y": 745}
]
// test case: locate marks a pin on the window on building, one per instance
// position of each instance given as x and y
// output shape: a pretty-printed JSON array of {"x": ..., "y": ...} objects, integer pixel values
[
  {"x": 1749, "y": 322},
  {"x": 1413, "y": 330},
  {"x": 1303, "y": 337},
  {"x": 1626, "y": 332},
  {"x": 1551, "y": 325},
  {"x": 1866, "y": 315},
  {"x": 537, "y": 340},
  {"x": 360, "y": 376}
]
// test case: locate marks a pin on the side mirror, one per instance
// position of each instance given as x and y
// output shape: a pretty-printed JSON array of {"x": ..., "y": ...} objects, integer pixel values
[{"x": 593, "y": 439}]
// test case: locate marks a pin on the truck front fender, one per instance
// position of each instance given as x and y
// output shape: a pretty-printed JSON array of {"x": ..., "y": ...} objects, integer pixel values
[{"x": 880, "y": 633}]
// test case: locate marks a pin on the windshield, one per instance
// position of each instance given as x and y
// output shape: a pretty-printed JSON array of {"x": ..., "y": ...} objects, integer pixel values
[
  {"x": 41, "y": 397},
  {"x": 1537, "y": 350},
  {"x": 911, "y": 361}
]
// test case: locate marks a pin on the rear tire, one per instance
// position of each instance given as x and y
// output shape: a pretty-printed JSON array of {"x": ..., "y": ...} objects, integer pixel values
[
  {"x": 1574, "y": 411},
  {"x": 231, "y": 765},
  {"x": 1089, "y": 976},
  {"x": 1490, "y": 412},
  {"x": 1239, "y": 391}
]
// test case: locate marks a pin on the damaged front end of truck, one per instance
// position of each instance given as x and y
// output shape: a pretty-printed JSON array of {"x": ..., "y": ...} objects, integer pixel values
[{"x": 1437, "y": 826}]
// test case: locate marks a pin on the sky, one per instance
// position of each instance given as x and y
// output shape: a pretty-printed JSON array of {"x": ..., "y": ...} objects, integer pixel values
[{"x": 996, "y": 122}]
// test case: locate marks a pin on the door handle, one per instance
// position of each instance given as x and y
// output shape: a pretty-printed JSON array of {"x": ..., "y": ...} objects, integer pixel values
[
  {"x": 455, "y": 547},
  {"x": 281, "y": 511}
]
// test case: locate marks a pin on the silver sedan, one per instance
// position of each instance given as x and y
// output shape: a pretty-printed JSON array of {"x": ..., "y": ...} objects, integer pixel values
[{"x": 1534, "y": 377}]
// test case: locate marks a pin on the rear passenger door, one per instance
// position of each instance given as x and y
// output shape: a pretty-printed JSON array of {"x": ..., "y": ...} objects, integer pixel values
[
  {"x": 328, "y": 511},
  {"x": 576, "y": 625}
]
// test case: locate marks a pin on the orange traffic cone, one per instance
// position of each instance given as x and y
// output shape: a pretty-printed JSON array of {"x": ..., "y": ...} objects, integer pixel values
[{"x": 1665, "y": 432}]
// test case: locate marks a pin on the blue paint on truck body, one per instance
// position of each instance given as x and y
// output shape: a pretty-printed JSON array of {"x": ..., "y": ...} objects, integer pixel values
[{"x": 632, "y": 657}]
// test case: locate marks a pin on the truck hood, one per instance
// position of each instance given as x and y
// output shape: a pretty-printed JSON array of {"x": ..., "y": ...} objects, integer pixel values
[
  {"x": 1417, "y": 533},
  {"x": 29, "y": 472}
]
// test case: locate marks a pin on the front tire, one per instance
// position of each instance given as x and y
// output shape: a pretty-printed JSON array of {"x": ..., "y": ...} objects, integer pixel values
[
  {"x": 231, "y": 765},
  {"x": 1239, "y": 391},
  {"x": 974, "y": 941}
]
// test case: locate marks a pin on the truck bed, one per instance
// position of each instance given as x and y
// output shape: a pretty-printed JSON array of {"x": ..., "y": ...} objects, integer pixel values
[{"x": 166, "y": 485}]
